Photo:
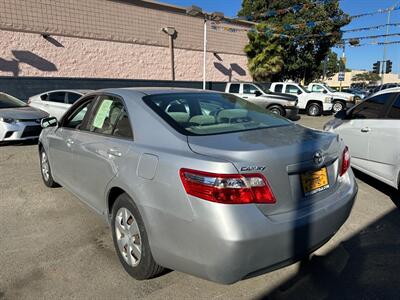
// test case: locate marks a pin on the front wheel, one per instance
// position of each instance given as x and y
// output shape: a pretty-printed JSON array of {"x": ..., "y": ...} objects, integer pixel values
[
  {"x": 277, "y": 110},
  {"x": 338, "y": 106},
  {"x": 314, "y": 109},
  {"x": 131, "y": 241},
  {"x": 45, "y": 170}
]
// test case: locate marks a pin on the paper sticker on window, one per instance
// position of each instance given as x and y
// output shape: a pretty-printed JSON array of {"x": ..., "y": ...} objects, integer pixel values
[{"x": 102, "y": 113}]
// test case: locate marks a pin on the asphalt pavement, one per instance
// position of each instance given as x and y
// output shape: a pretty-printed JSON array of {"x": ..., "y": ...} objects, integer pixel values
[{"x": 54, "y": 247}]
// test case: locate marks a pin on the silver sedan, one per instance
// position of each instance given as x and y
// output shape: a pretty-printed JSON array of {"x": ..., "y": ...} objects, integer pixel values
[
  {"x": 18, "y": 121},
  {"x": 201, "y": 182}
]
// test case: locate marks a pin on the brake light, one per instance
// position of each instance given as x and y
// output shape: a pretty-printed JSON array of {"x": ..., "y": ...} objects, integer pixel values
[
  {"x": 345, "y": 161},
  {"x": 227, "y": 188}
]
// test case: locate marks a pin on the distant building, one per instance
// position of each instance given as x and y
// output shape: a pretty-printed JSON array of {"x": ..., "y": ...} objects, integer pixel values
[
  {"x": 121, "y": 39},
  {"x": 334, "y": 80}
]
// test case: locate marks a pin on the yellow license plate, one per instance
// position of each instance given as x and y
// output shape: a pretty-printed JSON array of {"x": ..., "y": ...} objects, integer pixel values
[{"x": 314, "y": 181}]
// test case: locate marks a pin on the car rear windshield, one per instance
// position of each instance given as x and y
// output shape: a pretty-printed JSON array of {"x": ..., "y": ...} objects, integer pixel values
[
  {"x": 7, "y": 101},
  {"x": 211, "y": 113}
]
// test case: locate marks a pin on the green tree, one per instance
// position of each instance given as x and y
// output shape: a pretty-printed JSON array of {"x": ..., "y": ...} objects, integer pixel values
[
  {"x": 333, "y": 65},
  {"x": 265, "y": 57},
  {"x": 366, "y": 78},
  {"x": 301, "y": 57}
]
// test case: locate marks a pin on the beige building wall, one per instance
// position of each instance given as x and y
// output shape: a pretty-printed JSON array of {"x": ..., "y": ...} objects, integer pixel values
[
  {"x": 334, "y": 81},
  {"x": 114, "y": 39}
]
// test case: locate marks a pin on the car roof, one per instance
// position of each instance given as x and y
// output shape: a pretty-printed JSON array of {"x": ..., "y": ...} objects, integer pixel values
[
  {"x": 79, "y": 91},
  {"x": 387, "y": 91},
  {"x": 155, "y": 90}
]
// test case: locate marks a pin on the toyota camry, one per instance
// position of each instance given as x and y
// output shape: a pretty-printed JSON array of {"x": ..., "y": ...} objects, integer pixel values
[{"x": 201, "y": 182}]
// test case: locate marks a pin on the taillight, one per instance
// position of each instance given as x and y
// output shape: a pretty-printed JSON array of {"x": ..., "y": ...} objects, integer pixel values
[
  {"x": 345, "y": 161},
  {"x": 227, "y": 188}
]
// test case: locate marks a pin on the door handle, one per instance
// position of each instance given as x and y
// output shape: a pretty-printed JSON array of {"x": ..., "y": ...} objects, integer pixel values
[
  {"x": 365, "y": 129},
  {"x": 114, "y": 152},
  {"x": 245, "y": 97}
]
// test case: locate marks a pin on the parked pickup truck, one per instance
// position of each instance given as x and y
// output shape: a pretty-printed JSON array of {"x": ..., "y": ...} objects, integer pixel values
[
  {"x": 278, "y": 103},
  {"x": 314, "y": 104},
  {"x": 341, "y": 100}
]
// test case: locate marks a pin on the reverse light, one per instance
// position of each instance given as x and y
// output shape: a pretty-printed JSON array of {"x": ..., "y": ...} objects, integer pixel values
[
  {"x": 227, "y": 188},
  {"x": 345, "y": 161}
]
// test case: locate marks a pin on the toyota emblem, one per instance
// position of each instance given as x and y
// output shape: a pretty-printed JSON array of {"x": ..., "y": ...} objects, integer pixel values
[{"x": 318, "y": 158}]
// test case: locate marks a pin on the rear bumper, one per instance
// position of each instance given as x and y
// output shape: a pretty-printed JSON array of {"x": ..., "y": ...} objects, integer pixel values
[
  {"x": 292, "y": 113},
  {"x": 19, "y": 131},
  {"x": 227, "y": 243}
]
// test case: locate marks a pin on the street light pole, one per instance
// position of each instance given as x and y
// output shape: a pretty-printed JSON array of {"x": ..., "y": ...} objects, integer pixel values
[
  {"x": 196, "y": 11},
  {"x": 385, "y": 46},
  {"x": 205, "y": 52}
]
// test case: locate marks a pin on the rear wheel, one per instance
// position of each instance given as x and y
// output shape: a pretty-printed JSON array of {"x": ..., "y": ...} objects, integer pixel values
[
  {"x": 338, "y": 106},
  {"x": 131, "y": 241},
  {"x": 45, "y": 169},
  {"x": 314, "y": 109},
  {"x": 277, "y": 110}
]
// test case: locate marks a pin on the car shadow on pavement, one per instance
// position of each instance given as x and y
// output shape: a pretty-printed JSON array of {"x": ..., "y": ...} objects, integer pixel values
[
  {"x": 389, "y": 191},
  {"x": 20, "y": 143},
  {"x": 365, "y": 266}
]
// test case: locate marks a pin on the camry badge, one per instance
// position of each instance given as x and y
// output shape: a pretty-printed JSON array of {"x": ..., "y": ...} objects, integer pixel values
[{"x": 252, "y": 168}]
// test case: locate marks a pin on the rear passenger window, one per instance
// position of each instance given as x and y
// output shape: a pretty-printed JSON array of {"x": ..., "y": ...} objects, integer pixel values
[
  {"x": 394, "y": 112},
  {"x": 234, "y": 88},
  {"x": 371, "y": 108},
  {"x": 278, "y": 88},
  {"x": 72, "y": 97},
  {"x": 110, "y": 118},
  {"x": 57, "y": 97}
]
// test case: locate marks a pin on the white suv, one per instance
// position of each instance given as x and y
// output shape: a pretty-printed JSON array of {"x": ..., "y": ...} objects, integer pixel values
[
  {"x": 56, "y": 102},
  {"x": 314, "y": 104}
]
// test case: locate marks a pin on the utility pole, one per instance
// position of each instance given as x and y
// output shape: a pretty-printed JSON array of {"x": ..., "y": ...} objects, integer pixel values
[{"x": 385, "y": 46}]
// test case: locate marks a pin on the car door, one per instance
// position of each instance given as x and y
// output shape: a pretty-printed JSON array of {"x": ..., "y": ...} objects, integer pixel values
[
  {"x": 100, "y": 149},
  {"x": 357, "y": 130},
  {"x": 295, "y": 90},
  {"x": 249, "y": 92},
  {"x": 57, "y": 104},
  {"x": 384, "y": 142},
  {"x": 61, "y": 143}
]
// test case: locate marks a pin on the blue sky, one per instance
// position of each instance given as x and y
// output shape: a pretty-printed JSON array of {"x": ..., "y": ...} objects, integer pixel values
[{"x": 357, "y": 58}]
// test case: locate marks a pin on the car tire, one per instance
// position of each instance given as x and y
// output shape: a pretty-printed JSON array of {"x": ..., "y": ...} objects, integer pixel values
[
  {"x": 131, "y": 241},
  {"x": 277, "y": 110},
  {"x": 338, "y": 106},
  {"x": 314, "y": 109},
  {"x": 45, "y": 169}
]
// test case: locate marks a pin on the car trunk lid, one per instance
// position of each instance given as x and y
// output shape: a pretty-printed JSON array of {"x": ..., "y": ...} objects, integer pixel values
[{"x": 281, "y": 154}]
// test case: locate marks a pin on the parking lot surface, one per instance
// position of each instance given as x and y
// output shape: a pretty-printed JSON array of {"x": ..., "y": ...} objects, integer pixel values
[{"x": 52, "y": 246}]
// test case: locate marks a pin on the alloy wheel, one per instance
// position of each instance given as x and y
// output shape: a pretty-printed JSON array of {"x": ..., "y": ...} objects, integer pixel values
[
  {"x": 45, "y": 166},
  {"x": 337, "y": 106},
  {"x": 128, "y": 237}
]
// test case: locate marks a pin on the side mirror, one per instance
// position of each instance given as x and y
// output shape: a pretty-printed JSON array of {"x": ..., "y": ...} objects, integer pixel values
[
  {"x": 257, "y": 93},
  {"x": 44, "y": 97},
  {"x": 325, "y": 91},
  {"x": 341, "y": 115},
  {"x": 49, "y": 122},
  {"x": 299, "y": 92}
]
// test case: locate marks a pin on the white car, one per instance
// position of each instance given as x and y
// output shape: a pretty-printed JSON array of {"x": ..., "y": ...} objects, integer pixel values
[
  {"x": 56, "y": 102},
  {"x": 18, "y": 121},
  {"x": 372, "y": 132},
  {"x": 340, "y": 100},
  {"x": 314, "y": 104}
]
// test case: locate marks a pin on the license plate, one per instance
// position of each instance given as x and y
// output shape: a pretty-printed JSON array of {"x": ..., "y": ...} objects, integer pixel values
[{"x": 315, "y": 181}]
